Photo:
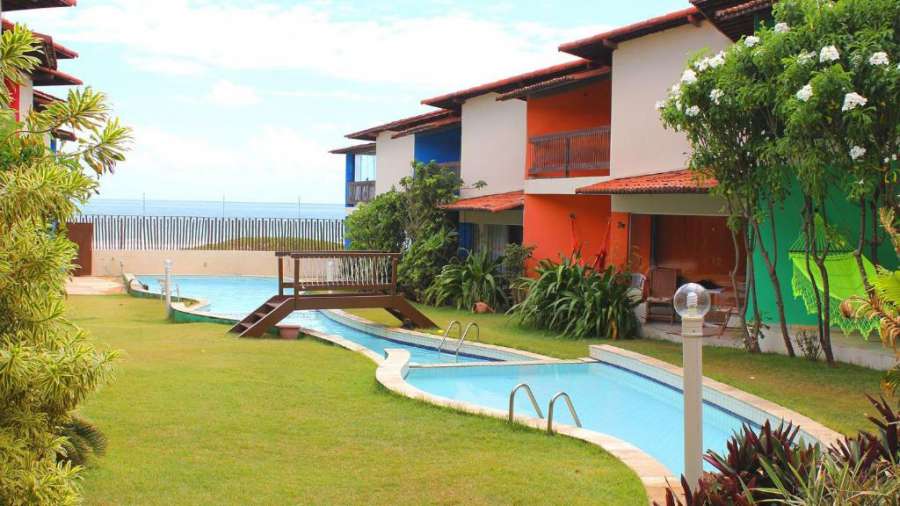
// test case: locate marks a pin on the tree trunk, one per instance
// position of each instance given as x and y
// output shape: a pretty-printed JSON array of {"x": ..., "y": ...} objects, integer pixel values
[
  {"x": 771, "y": 266},
  {"x": 749, "y": 244},
  {"x": 740, "y": 302},
  {"x": 857, "y": 254},
  {"x": 809, "y": 247}
]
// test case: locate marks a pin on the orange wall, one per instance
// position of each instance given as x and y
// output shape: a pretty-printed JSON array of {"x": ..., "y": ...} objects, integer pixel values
[
  {"x": 548, "y": 225},
  {"x": 582, "y": 107}
]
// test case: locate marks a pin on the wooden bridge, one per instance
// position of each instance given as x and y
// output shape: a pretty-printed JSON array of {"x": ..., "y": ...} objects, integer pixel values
[{"x": 332, "y": 280}]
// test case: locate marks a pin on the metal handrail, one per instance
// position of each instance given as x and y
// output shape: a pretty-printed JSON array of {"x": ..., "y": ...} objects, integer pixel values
[
  {"x": 568, "y": 400},
  {"x": 447, "y": 333},
  {"x": 466, "y": 333},
  {"x": 512, "y": 401}
]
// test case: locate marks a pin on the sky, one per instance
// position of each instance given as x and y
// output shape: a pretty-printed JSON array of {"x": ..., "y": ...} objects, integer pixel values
[{"x": 242, "y": 99}]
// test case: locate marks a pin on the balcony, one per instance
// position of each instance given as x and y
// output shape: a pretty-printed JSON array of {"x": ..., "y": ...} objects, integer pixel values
[
  {"x": 360, "y": 191},
  {"x": 577, "y": 153}
]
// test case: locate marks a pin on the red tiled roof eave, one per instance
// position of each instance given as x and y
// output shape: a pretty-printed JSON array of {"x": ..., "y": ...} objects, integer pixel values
[
  {"x": 734, "y": 18},
  {"x": 369, "y": 134},
  {"x": 64, "y": 135},
  {"x": 21, "y": 5},
  {"x": 454, "y": 100},
  {"x": 43, "y": 99},
  {"x": 678, "y": 181},
  {"x": 428, "y": 127},
  {"x": 367, "y": 148},
  {"x": 600, "y": 46},
  {"x": 60, "y": 51},
  {"x": 494, "y": 203},
  {"x": 43, "y": 76},
  {"x": 557, "y": 84}
]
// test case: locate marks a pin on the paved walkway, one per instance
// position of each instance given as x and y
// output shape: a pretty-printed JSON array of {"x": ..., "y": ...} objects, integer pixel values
[{"x": 94, "y": 285}]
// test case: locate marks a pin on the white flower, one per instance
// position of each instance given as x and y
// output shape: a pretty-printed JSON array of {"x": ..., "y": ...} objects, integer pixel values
[
  {"x": 715, "y": 95},
  {"x": 717, "y": 60},
  {"x": 853, "y": 100},
  {"x": 782, "y": 28},
  {"x": 829, "y": 53},
  {"x": 676, "y": 90},
  {"x": 702, "y": 64},
  {"x": 857, "y": 151},
  {"x": 689, "y": 77},
  {"x": 806, "y": 57},
  {"x": 751, "y": 41},
  {"x": 660, "y": 105},
  {"x": 879, "y": 58},
  {"x": 692, "y": 111},
  {"x": 805, "y": 93}
]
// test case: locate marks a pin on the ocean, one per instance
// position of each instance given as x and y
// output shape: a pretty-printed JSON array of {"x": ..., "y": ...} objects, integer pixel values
[{"x": 138, "y": 207}]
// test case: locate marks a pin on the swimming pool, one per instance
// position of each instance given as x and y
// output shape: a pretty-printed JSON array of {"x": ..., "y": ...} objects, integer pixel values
[
  {"x": 607, "y": 399},
  {"x": 234, "y": 297}
]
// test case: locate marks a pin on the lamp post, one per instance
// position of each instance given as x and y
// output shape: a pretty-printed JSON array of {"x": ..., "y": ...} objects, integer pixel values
[
  {"x": 692, "y": 303},
  {"x": 168, "y": 283}
]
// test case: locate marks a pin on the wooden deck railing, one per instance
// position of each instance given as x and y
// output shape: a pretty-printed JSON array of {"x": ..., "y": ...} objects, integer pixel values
[
  {"x": 564, "y": 153},
  {"x": 360, "y": 271},
  {"x": 360, "y": 191}
]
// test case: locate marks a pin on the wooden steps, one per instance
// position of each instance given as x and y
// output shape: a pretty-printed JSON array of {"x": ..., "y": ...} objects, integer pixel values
[{"x": 264, "y": 317}]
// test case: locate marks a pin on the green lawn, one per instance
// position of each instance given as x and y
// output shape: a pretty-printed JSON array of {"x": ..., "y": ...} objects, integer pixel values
[
  {"x": 198, "y": 417},
  {"x": 832, "y": 396}
]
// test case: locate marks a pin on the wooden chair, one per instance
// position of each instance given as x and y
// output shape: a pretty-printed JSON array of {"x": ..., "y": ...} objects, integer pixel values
[{"x": 663, "y": 283}]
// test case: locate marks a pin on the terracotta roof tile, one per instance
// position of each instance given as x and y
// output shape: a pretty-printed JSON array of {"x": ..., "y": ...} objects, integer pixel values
[
  {"x": 427, "y": 127},
  {"x": 556, "y": 83},
  {"x": 371, "y": 133},
  {"x": 366, "y": 148},
  {"x": 491, "y": 203},
  {"x": 453, "y": 100},
  {"x": 679, "y": 181},
  {"x": 19, "y": 5},
  {"x": 734, "y": 18},
  {"x": 600, "y": 46}
]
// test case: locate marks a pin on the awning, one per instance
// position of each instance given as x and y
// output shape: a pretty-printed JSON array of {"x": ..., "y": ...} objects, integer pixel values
[
  {"x": 678, "y": 181},
  {"x": 490, "y": 203}
]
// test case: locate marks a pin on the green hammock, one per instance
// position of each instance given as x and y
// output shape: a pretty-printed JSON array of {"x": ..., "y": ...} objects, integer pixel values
[{"x": 844, "y": 280}]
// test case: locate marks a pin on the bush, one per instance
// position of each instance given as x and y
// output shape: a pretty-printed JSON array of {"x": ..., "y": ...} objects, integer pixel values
[
  {"x": 462, "y": 283},
  {"x": 578, "y": 301},
  {"x": 378, "y": 225},
  {"x": 423, "y": 261},
  {"x": 773, "y": 468}
]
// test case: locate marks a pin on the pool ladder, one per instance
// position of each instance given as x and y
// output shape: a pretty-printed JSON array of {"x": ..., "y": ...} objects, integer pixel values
[
  {"x": 537, "y": 408},
  {"x": 461, "y": 333}
]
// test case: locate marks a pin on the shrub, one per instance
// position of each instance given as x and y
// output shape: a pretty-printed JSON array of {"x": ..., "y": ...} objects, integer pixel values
[
  {"x": 379, "y": 224},
  {"x": 578, "y": 301},
  {"x": 462, "y": 283},
  {"x": 773, "y": 468},
  {"x": 423, "y": 261}
]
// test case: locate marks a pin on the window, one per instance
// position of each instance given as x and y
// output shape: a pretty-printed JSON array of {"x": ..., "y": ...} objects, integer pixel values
[{"x": 364, "y": 167}]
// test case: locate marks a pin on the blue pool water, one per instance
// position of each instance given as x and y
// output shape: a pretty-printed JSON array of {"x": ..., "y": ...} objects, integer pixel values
[
  {"x": 608, "y": 399},
  {"x": 237, "y": 296}
]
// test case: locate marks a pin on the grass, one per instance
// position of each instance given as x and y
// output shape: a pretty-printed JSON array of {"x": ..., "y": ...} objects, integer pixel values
[
  {"x": 834, "y": 396},
  {"x": 198, "y": 417}
]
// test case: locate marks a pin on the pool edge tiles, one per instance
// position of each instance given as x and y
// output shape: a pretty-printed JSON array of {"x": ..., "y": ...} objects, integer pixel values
[
  {"x": 654, "y": 476},
  {"x": 743, "y": 404},
  {"x": 497, "y": 354}
]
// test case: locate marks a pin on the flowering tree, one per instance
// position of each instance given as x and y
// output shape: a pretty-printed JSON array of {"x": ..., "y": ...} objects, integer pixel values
[
  {"x": 47, "y": 365},
  {"x": 723, "y": 105}
]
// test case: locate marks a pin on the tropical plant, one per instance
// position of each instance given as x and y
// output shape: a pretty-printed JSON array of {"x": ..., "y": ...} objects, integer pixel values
[
  {"x": 578, "y": 301},
  {"x": 47, "y": 365},
  {"x": 513, "y": 267},
  {"x": 429, "y": 232},
  {"x": 462, "y": 283},
  {"x": 773, "y": 467},
  {"x": 378, "y": 225}
]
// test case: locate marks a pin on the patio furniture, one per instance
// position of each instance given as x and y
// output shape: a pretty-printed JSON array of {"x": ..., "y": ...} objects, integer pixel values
[{"x": 663, "y": 283}]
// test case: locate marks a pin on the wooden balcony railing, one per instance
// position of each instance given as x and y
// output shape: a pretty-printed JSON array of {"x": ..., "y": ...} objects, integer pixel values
[
  {"x": 360, "y": 191},
  {"x": 564, "y": 153},
  {"x": 364, "y": 271}
]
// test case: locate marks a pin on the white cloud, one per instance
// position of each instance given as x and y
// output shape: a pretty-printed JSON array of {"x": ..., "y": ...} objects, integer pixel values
[
  {"x": 275, "y": 164},
  {"x": 167, "y": 66},
  {"x": 435, "y": 53},
  {"x": 229, "y": 94}
]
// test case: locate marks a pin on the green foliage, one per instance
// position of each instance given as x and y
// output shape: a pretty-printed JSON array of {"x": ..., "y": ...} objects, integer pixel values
[
  {"x": 462, "y": 283},
  {"x": 424, "y": 259},
  {"x": 47, "y": 365},
  {"x": 378, "y": 225},
  {"x": 17, "y": 49},
  {"x": 513, "y": 262},
  {"x": 577, "y": 301},
  {"x": 773, "y": 467},
  {"x": 431, "y": 235}
]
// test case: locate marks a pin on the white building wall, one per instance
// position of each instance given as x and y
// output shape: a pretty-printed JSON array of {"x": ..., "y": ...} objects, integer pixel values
[
  {"x": 26, "y": 97},
  {"x": 493, "y": 145},
  {"x": 392, "y": 160},
  {"x": 643, "y": 71}
]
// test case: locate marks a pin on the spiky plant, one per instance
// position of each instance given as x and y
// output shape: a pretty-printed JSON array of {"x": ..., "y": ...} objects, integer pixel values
[{"x": 84, "y": 440}]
